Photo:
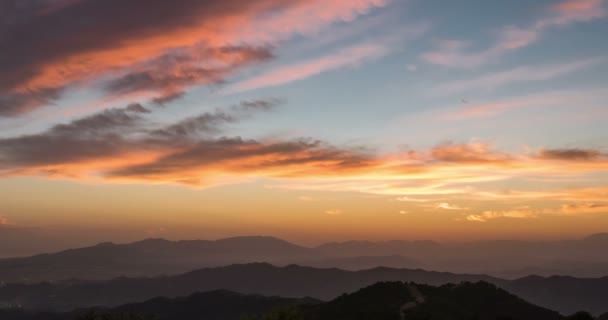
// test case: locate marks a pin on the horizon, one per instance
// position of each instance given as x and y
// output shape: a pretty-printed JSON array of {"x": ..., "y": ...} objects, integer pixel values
[{"x": 49, "y": 247}]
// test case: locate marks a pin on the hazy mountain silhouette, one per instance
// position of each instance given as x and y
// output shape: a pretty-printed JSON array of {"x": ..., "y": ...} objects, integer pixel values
[
  {"x": 380, "y": 301},
  {"x": 504, "y": 258},
  {"x": 566, "y": 295},
  {"x": 152, "y": 257}
]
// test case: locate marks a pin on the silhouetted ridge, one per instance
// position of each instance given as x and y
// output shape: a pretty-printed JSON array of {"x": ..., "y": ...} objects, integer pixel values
[{"x": 381, "y": 301}]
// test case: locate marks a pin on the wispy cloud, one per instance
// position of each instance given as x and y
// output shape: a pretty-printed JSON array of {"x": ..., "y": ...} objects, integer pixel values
[
  {"x": 528, "y": 213},
  {"x": 587, "y": 98},
  {"x": 521, "y": 213},
  {"x": 333, "y": 212},
  {"x": 448, "y": 206},
  {"x": 346, "y": 57},
  {"x": 457, "y": 54},
  {"x": 516, "y": 75}
]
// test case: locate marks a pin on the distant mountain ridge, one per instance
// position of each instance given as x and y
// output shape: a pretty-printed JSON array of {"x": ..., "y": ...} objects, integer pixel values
[
  {"x": 152, "y": 257},
  {"x": 564, "y": 294}
]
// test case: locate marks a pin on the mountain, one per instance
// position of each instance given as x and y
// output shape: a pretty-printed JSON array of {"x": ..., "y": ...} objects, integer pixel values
[
  {"x": 397, "y": 300},
  {"x": 380, "y": 301},
  {"x": 366, "y": 262},
  {"x": 571, "y": 291},
  {"x": 292, "y": 281},
  {"x": 503, "y": 258},
  {"x": 150, "y": 257},
  {"x": 153, "y": 257},
  {"x": 213, "y": 305}
]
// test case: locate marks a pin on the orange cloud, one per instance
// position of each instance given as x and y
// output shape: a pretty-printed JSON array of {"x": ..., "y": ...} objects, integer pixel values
[
  {"x": 333, "y": 212},
  {"x": 527, "y": 213},
  {"x": 522, "y": 213},
  {"x": 122, "y": 145},
  {"x": 85, "y": 40}
]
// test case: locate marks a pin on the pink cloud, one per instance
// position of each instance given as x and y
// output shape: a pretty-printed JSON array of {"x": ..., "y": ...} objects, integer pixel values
[
  {"x": 513, "y": 37},
  {"x": 122, "y": 45},
  {"x": 347, "y": 57},
  {"x": 517, "y": 75},
  {"x": 590, "y": 98}
]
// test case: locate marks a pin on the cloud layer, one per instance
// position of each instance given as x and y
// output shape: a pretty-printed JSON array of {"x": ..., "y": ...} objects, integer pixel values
[{"x": 144, "y": 45}]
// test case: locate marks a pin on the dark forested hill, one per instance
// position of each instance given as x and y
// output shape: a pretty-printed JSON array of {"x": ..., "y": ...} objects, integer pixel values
[
  {"x": 380, "y": 301},
  {"x": 564, "y": 295}
]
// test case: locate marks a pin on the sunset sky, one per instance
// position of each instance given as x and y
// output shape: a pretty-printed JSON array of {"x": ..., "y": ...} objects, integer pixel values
[{"x": 309, "y": 120}]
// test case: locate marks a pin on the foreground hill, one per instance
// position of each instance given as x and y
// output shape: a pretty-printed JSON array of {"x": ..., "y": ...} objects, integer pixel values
[
  {"x": 564, "y": 295},
  {"x": 213, "y": 305},
  {"x": 397, "y": 300},
  {"x": 381, "y": 301}
]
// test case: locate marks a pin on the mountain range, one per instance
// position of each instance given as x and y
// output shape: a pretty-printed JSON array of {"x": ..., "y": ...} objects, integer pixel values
[
  {"x": 152, "y": 257},
  {"x": 380, "y": 301},
  {"x": 563, "y": 294}
]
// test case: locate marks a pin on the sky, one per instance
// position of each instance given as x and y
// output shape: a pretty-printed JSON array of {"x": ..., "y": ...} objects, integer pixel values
[{"x": 304, "y": 119}]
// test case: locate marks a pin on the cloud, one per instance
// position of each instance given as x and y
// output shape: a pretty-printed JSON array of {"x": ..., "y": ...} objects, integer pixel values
[
  {"x": 473, "y": 152},
  {"x": 170, "y": 75},
  {"x": 212, "y": 122},
  {"x": 103, "y": 138},
  {"x": 16, "y": 103},
  {"x": 528, "y": 213},
  {"x": 240, "y": 157},
  {"x": 346, "y": 57},
  {"x": 516, "y": 75},
  {"x": 589, "y": 98},
  {"x": 570, "y": 154},
  {"x": 409, "y": 199},
  {"x": 474, "y": 171},
  {"x": 74, "y": 42},
  {"x": 447, "y": 206},
  {"x": 583, "y": 208},
  {"x": 100, "y": 135},
  {"x": 333, "y": 212},
  {"x": 3, "y": 221},
  {"x": 456, "y": 54},
  {"x": 124, "y": 145},
  {"x": 521, "y": 213}
]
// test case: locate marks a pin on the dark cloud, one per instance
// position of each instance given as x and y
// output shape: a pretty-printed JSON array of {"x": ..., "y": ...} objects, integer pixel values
[
  {"x": 96, "y": 136},
  {"x": 108, "y": 121},
  {"x": 183, "y": 147},
  {"x": 163, "y": 100},
  {"x": 212, "y": 122},
  {"x": 62, "y": 42},
  {"x": 113, "y": 132},
  {"x": 14, "y": 104},
  {"x": 281, "y": 159},
  {"x": 265, "y": 104},
  {"x": 208, "y": 123},
  {"x": 570, "y": 154},
  {"x": 170, "y": 74}
]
